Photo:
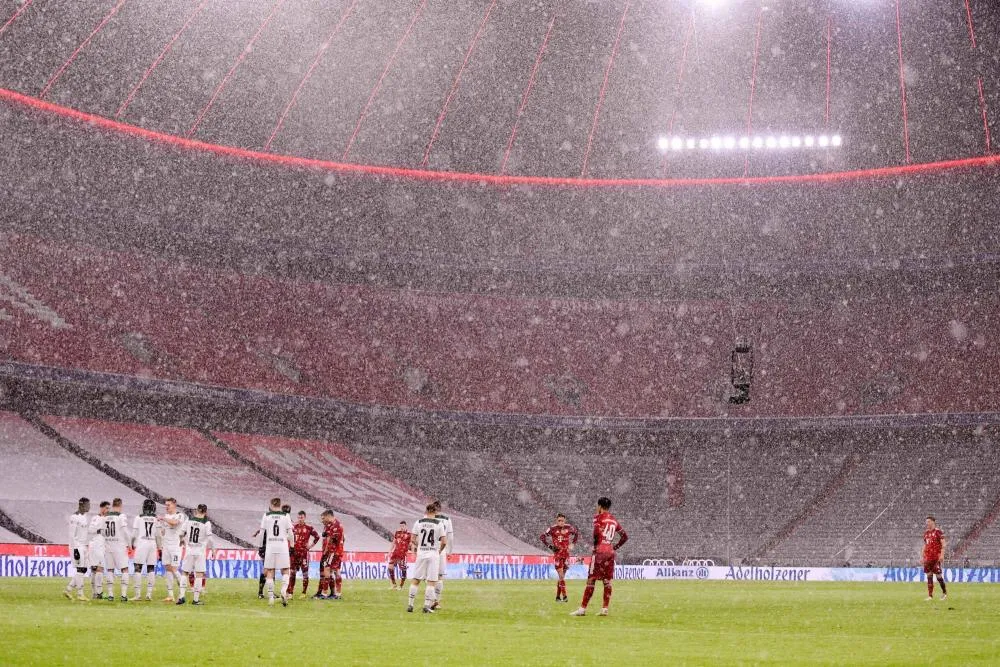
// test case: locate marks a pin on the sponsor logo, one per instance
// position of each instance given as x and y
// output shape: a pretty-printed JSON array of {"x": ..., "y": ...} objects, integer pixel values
[{"x": 768, "y": 573}]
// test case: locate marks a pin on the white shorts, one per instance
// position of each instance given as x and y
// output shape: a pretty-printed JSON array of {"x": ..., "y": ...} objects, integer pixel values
[
  {"x": 116, "y": 558},
  {"x": 427, "y": 567},
  {"x": 277, "y": 558},
  {"x": 145, "y": 553},
  {"x": 80, "y": 557},
  {"x": 194, "y": 562},
  {"x": 171, "y": 555},
  {"x": 96, "y": 556}
]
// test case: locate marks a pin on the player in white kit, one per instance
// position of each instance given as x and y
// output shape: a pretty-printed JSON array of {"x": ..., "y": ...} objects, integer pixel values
[
  {"x": 97, "y": 551},
  {"x": 79, "y": 536},
  {"x": 429, "y": 540},
  {"x": 116, "y": 541},
  {"x": 277, "y": 527},
  {"x": 449, "y": 532},
  {"x": 171, "y": 526},
  {"x": 146, "y": 542},
  {"x": 198, "y": 542}
]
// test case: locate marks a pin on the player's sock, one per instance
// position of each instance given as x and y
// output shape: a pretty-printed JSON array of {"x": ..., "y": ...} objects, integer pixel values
[
  {"x": 430, "y": 592},
  {"x": 76, "y": 582},
  {"x": 392, "y": 576},
  {"x": 99, "y": 583},
  {"x": 270, "y": 588},
  {"x": 197, "y": 588},
  {"x": 588, "y": 592},
  {"x": 607, "y": 593},
  {"x": 413, "y": 593},
  {"x": 944, "y": 589},
  {"x": 170, "y": 584},
  {"x": 930, "y": 586},
  {"x": 402, "y": 576},
  {"x": 337, "y": 584},
  {"x": 125, "y": 583},
  {"x": 182, "y": 583},
  {"x": 305, "y": 583},
  {"x": 260, "y": 585},
  {"x": 151, "y": 577},
  {"x": 291, "y": 582}
]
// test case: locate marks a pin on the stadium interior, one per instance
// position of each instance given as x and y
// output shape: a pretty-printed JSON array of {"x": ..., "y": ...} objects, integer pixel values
[{"x": 516, "y": 274}]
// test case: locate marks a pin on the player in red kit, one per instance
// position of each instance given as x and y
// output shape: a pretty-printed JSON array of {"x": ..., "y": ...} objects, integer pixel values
[
  {"x": 303, "y": 533},
  {"x": 333, "y": 554},
  {"x": 400, "y": 547},
  {"x": 934, "y": 545},
  {"x": 560, "y": 538},
  {"x": 602, "y": 565}
]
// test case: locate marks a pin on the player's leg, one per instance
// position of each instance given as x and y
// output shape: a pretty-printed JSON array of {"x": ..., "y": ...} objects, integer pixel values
[
  {"x": 187, "y": 568},
  {"x": 607, "y": 595},
  {"x": 940, "y": 577},
  {"x": 291, "y": 577},
  {"x": 391, "y": 571},
  {"x": 439, "y": 584},
  {"x": 588, "y": 590},
  {"x": 285, "y": 588},
  {"x": 414, "y": 589},
  {"x": 199, "y": 579},
  {"x": 269, "y": 584},
  {"x": 96, "y": 582},
  {"x": 929, "y": 573},
  {"x": 419, "y": 574},
  {"x": 305, "y": 576},
  {"x": 338, "y": 582},
  {"x": 150, "y": 581}
]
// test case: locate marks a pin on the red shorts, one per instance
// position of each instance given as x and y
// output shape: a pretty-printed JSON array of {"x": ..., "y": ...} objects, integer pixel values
[
  {"x": 300, "y": 560},
  {"x": 331, "y": 560},
  {"x": 397, "y": 561},
  {"x": 561, "y": 561},
  {"x": 603, "y": 565},
  {"x": 932, "y": 566}
]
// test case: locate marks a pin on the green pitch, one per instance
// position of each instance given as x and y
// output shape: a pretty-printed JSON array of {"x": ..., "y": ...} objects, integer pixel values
[{"x": 512, "y": 623}]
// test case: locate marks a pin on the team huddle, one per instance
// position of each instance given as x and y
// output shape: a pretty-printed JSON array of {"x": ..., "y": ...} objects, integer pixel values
[{"x": 100, "y": 547}]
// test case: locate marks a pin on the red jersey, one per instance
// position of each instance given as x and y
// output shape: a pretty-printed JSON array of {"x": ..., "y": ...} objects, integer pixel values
[
  {"x": 302, "y": 534},
  {"x": 932, "y": 543},
  {"x": 605, "y": 528},
  {"x": 333, "y": 538},
  {"x": 559, "y": 538},
  {"x": 400, "y": 544}
]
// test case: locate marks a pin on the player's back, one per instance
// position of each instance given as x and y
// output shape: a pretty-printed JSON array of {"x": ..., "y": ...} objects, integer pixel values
[
  {"x": 449, "y": 530},
  {"x": 144, "y": 528},
  {"x": 116, "y": 530},
  {"x": 97, "y": 531},
  {"x": 606, "y": 526},
  {"x": 429, "y": 532},
  {"x": 197, "y": 534},
  {"x": 278, "y": 529},
  {"x": 79, "y": 525}
]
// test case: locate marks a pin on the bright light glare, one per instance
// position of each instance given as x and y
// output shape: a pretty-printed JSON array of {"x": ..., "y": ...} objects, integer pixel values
[
  {"x": 784, "y": 142},
  {"x": 690, "y": 144},
  {"x": 796, "y": 142},
  {"x": 824, "y": 140},
  {"x": 758, "y": 142},
  {"x": 744, "y": 143},
  {"x": 663, "y": 143},
  {"x": 771, "y": 142},
  {"x": 835, "y": 141},
  {"x": 716, "y": 143},
  {"x": 703, "y": 144},
  {"x": 809, "y": 141},
  {"x": 730, "y": 143},
  {"x": 676, "y": 143}
]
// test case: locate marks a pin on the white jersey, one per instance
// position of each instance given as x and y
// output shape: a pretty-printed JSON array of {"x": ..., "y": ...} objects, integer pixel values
[
  {"x": 116, "y": 530},
  {"x": 198, "y": 535},
  {"x": 79, "y": 531},
  {"x": 172, "y": 534},
  {"x": 145, "y": 529},
  {"x": 427, "y": 534},
  {"x": 449, "y": 532},
  {"x": 97, "y": 532},
  {"x": 278, "y": 529}
]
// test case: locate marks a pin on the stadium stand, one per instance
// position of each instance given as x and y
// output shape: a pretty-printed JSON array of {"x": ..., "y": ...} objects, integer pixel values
[
  {"x": 182, "y": 463},
  {"x": 7, "y": 537},
  {"x": 40, "y": 482},
  {"x": 139, "y": 315},
  {"x": 332, "y": 473}
]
